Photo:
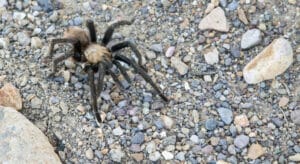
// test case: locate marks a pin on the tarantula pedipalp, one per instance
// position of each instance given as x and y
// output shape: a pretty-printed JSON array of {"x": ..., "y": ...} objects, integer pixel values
[{"x": 99, "y": 57}]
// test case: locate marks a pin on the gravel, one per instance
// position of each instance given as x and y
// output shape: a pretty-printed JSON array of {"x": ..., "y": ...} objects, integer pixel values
[{"x": 204, "y": 96}]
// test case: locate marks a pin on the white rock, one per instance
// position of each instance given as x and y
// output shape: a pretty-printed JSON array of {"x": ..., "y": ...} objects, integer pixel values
[
  {"x": 118, "y": 131},
  {"x": 167, "y": 155},
  {"x": 180, "y": 66},
  {"x": 3, "y": 3},
  {"x": 215, "y": 20},
  {"x": 170, "y": 51},
  {"x": 150, "y": 54},
  {"x": 151, "y": 147},
  {"x": 295, "y": 157},
  {"x": 154, "y": 156},
  {"x": 251, "y": 38},
  {"x": 4, "y": 43},
  {"x": 272, "y": 61},
  {"x": 89, "y": 154},
  {"x": 168, "y": 122},
  {"x": 194, "y": 139},
  {"x": 23, "y": 38},
  {"x": 116, "y": 155},
  {"x": 212, "y": 56},
  {"x": 36, "y": 42},
  {"x": 22, "y": 141}
]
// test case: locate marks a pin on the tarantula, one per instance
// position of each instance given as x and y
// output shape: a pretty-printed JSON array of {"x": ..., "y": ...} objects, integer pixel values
[{"x": 99, "y": 57}]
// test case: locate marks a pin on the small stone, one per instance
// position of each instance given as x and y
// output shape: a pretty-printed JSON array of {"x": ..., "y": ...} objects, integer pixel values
[
  {"x": 4, "y": 43},
  {"x": 293, "y": 2},
  {"x": 255, "y": 151},
  {"x": 151, "y": 147},
  {"x": 118, "y": 131},
  {"x": 241, "y": 141},
  {"x": 46, "y": 5},
  {"x": 170, "y": 51},
  {"x": 138, "y": 138},
  {"x": 295, "y": 116},
  {"x": 167, "y": 155},
  {"x": 233, "y": 5},
  {"x": 50, "y": 29},
  {"x": 181, "y": 67},
  {"x": 66, "y": 75},
  {"x": 87, "y": 6},
  {"x": 226, "y": 115},
  {"x": 116, "y": 155},
  {"x": 135, "y": 148},
  {"x": 231, "y": 149},
  {"x": 154, "y": 156},
  {"x": 242, "y": 16},
  {"x": 211, "y": 124},
  {"x": 36, "y": 103},
  {"x": 180, "y": 156},
  {"x": 195, "y": 115},
  {"x": 54, "y": 16},
  {"x": 89, "y": 154},
  {"x": 150, "y": 54},
  {"x": 214, "y": 141},
  {"x": 3, "y": 3},
  {"x": 272, "y": 61},
  {"x": 295, "y": 158},
  {"x": 138, "y": 157},
  {"x": 251, "y": 38},
  {"x": 168, "y": 122},
  {"x": 207, "y": 149},
  {"x": 283, "y": 101},
  {"x": 212, "y": 56},
  {"x": 207, "y": 78},
  {"x": 70, "y": 63},
  {"x": 10, "y": 97},
  {"x": 157, "y": 48},
  {"x": 194, "y": 139},
  {"x": 241, "y": 120},
  {"x": 23, "y": 38},
  {"x": 215, "y": 20},
  {"x": 222, "y": 162},
  {"x": 36, "y": 42}
]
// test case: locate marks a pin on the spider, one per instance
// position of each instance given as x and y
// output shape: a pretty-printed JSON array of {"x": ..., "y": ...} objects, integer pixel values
[{"x": 99, "y": 58}]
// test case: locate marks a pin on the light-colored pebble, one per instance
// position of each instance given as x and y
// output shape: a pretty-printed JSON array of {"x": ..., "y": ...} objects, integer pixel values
[
  {"x": 215, "y": 20},
  {"x": 251, "y": 38}
]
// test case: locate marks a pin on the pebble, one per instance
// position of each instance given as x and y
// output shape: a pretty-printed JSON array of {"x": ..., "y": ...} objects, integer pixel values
[
  {"x": 295, "y": 116},
  {"x": 180, "y": 156},
  {"x": 242, "y": 16},
  {"x": 151, "y": 147},
  {"x": 138, "y": 138},
  {"x": 167, "y": 121},
  {"x": 241, "y": 120},
  {"x": 89, "y": 154},
  {"x": 212, "y": 56},
  {"x": 155, "y": 156},
  {"x": 241, "y": 141},
  {"x": 295, "y": 158},
  {"x": 255, "y": 151},
  {"x": 283, "y": 101},
  {"x": 118, "y": 131},
  {"x": 138, "y": 157},
  {"x": 46, "y": 5},
  {"x": 23, "y": 38},
  {"x": 116, "y": 155},
  {"x": 167, "y": 155},
  {"x": 23, "y": 141},
  {"x": 211, "y": 124},
  {"x": 54, "y": 17},
  {"x": 4, "y": 43},
  {"x": 36, "y": 43},
  {"x": 251, "y": 38},
  {"x": 170, "y": 51},
  {"x": 10, "y": 96},
  {"x": 180, "y": 66},
  {"x": 87, "y": 6},
  {"x": 226, "y": 115},
  {"x": 150, "y": 54},
  {"x": 233, "y": 5},
  {"x": 156, "y": 48},
  {"x": 231, "y": 149},
  {"x": 135, "y": 148},
  {"x": 271, "y": 62},
  {"x": 36, "y": 103},
  {"x": 50, "y": 29},
  {"x": 194, "y": 139},
  {"x": 195, "y": 115},
  {"x": 3, "y": 3},
  {"x": 215, "y": 20},
  {"x": 207, "y": 149}
]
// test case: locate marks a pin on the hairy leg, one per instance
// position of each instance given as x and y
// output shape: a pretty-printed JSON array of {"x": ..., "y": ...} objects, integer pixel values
[
  {"x": 130, "y": 44},
  {"x": 56, "y": 41},
  {"x": 93, "y": 34},
  {"x": 122, "y": 69},
  {"x": 56, "y": 60},
  {"x": 113, "y": 75},
  {"x": 110, "y": 30},
  {"x": 101, "y": 71},
  {"x": 142, "y": 72},
  {"x": 93, "y": 94}
]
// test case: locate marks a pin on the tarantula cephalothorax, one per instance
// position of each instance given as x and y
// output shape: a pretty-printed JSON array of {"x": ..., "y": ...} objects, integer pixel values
[{"x": 99, "y": 57}]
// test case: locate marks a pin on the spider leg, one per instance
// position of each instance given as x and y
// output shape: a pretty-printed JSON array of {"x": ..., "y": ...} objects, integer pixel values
[
  {"x": 122, "y": 69},
  {"x": 56, "y": 41},
  {"x": 93, "y": 94},
  {"x": 114, "y": 76},
  {"x": 56, "y": 60},
  {"x": 101, "y": 71},
  {"x": 130, "y": 44},
  {"x": 90, "y": 25},
  {"x": 143, "y": 73},
  {"x": 110, "y": 30}
]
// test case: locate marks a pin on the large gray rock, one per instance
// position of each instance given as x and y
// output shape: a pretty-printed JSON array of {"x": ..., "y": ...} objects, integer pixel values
[{"x": 21, "y": 141}]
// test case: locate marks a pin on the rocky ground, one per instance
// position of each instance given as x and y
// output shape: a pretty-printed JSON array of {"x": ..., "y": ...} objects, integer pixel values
[{"x": 213, "y": 114}]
